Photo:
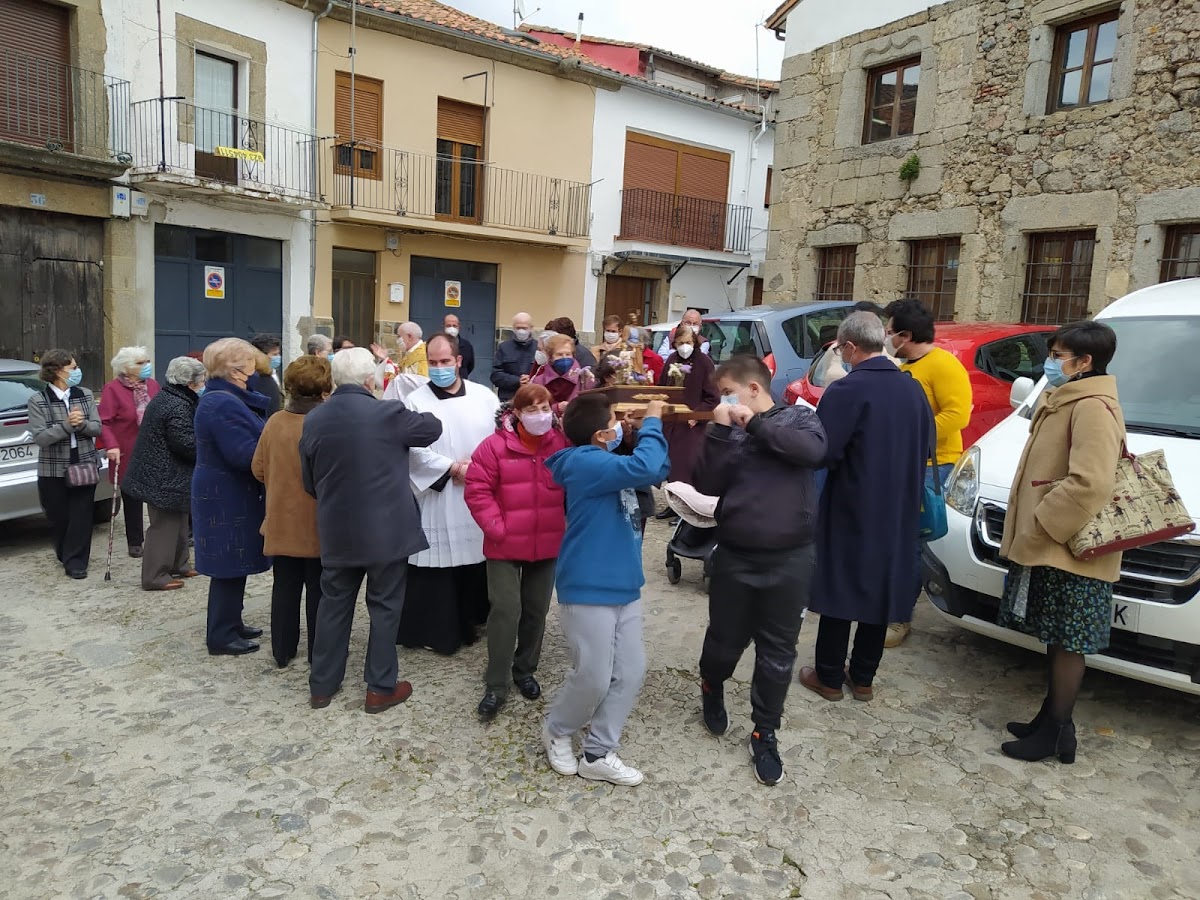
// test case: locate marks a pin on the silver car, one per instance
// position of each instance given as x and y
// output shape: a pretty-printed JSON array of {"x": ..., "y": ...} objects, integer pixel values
[{"x": 18, "y": 452}]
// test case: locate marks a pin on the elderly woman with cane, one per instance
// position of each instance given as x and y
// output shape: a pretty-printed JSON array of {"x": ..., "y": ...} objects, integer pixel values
[
  {"x": 160, "y": 474},
  {"x": 123, "y": 403}
]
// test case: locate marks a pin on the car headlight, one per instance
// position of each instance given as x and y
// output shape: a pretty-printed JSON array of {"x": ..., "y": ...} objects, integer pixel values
[{"x": 962, "y": 487}]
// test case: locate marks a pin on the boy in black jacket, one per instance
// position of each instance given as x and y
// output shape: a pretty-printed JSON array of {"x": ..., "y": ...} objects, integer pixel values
[{"x": 759, "y": 458}]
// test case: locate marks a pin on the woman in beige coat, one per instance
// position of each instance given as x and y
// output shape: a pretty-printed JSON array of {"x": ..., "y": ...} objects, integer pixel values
[
  {"x": 1065, "y": 477},
  {"x": 290, "y": 527}
]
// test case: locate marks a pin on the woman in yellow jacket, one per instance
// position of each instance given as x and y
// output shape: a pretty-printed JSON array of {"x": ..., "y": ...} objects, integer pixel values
[{"x": 1065, "y": 477}]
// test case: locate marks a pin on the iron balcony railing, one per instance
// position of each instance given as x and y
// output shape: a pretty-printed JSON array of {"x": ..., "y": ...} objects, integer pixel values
[
  {"x": 455, "y": 189},
  {"x": 61, "y": 108},
  {"x": 224, "y": 147},
  {"x": 662, "y": 218}
]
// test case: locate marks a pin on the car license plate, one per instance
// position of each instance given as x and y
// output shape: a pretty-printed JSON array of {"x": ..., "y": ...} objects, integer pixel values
[
  {"x": 17, "y": 454},
  {"x": 1125, "y": 615}
]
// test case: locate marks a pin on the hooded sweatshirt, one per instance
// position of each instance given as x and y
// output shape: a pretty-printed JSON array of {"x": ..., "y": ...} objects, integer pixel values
[{"x": 600, "y": 562}]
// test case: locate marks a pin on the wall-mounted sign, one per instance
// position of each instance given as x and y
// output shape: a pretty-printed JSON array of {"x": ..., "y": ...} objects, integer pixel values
[
  {"x": 214, "y": 282},
  {"x": 37, "y": 199},
  {"x": 454, "y": 294},
  {"x": 239, "y": 153}
]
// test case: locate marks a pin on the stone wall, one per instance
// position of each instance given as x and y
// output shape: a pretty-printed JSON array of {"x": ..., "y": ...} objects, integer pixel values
[{"x": 994, "y": 165}]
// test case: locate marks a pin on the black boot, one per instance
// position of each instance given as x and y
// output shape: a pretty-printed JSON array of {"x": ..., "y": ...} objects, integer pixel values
[
  {"x": 1052, "y": 738},
  {"x": 716, "y": 720},
  {"x": 1025, "y": 729}
]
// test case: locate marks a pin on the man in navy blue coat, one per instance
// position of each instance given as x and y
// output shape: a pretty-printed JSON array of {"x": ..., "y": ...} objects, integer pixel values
[
  {"x": 880, "y": 431},
  {"x": 354, "y": 461}
]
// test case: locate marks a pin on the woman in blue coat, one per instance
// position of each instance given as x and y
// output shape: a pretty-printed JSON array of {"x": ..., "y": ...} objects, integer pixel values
[{"x": 227, "y": 500}]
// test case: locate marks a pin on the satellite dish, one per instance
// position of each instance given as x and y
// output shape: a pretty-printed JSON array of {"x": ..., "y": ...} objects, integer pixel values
[{"x": 519, "y": 8}]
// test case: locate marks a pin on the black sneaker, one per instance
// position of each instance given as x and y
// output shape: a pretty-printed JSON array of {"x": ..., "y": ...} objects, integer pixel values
[
  {"x": 764, "y": 749},
  {"x": 716, "y": 720}
]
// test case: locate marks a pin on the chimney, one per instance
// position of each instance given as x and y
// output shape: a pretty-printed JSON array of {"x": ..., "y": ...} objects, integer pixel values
[{"x": 579, "y": 31}]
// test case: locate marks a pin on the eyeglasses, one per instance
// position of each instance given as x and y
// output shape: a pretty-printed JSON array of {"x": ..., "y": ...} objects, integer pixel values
[{"x": 1061, "y": 355}]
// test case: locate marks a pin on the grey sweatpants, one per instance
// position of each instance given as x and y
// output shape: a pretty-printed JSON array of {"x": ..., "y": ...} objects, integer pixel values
[{"x": 608, "y": 663}]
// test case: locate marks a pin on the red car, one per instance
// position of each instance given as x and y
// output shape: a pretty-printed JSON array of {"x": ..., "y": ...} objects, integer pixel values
[{"x": 995, "y": 355}]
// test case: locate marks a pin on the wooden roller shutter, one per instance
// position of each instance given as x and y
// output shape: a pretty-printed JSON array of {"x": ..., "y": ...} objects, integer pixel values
[
  {"x": 36, "y": 88},
  {"x": 368, "y": 109},
  {"x": 703, "y": 193},
  {"x": 705, "y": 177},
  {"x": 650, "y": 167},
  {"x": 460, "y": 122}
]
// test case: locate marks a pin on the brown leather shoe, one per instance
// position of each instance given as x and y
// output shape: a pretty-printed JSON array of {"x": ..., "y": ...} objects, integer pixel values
[
  {"x": 865, "y": 694},
  {"x": 377, "y": 703},
  {"x": 808, "y": 678},
  {"x": 319, "y": 702},
  {"x": 190, "y": 573}
]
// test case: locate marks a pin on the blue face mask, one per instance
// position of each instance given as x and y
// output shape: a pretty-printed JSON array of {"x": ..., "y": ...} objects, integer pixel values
[
  {"x": 730, "y": 399},
  {"x": 1054, "y": 373},
  {"x": 147, "y": 372},
  {"x": 613, "y": 444},
  {"x": 330, "y": 356},
  {"x": 75, "y": 377},
  {"x": 276, "y": 361},
  {"x": 443, "y": 376},
  {"x": 200, "y": 393},
  {"x": 562, "y": 366}
]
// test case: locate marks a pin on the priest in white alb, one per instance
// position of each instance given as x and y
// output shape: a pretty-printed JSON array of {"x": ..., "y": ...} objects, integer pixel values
[{"x": 446, "y": 600}]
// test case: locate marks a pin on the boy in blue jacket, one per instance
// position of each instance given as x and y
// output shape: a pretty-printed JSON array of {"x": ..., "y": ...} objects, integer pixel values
[{"x": 599, "y": 584}]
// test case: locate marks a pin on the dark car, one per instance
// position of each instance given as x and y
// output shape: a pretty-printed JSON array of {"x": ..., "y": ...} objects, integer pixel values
[{"x": 785, "y": 336}]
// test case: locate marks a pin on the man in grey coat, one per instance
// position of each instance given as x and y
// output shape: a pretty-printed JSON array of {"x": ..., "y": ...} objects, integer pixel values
[{"x": 354, "y": 460}]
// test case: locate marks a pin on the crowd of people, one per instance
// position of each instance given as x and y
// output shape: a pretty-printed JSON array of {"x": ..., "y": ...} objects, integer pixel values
[{"x": 467, "y": 509}]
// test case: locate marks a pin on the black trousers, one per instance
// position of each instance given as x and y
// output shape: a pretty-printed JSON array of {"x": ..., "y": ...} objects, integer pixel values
[
  {"x": 225, "y": 597},
  {"x": 386, "y": 584},
  {"x": 833, "y": 640},
  {"x": 69, "y": 510},
  {"x": 760, "y": 597},
  {"x": 293, "y": 577},
  {"x": 135, "y": 535}
]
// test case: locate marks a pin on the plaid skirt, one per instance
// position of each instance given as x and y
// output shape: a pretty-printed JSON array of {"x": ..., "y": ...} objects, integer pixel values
[{"x": 1058, "y": 608}]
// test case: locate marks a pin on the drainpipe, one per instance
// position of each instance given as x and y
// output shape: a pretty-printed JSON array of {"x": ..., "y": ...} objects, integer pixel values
[{"x": 312, "y": 213}]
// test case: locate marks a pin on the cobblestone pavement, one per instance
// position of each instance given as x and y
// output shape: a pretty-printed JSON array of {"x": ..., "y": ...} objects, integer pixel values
[{"x": 132, "y": 764}]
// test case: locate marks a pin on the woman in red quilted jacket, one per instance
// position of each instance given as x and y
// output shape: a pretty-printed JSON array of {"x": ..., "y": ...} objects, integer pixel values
[{"x": 522, "y": 514}]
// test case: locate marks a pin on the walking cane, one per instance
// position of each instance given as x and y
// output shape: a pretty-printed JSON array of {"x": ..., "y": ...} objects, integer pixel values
[{"x": 112, "y": 519}]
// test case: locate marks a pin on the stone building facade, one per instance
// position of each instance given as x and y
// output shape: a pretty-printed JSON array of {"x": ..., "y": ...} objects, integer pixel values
[{"x": 1025, "y": 207}]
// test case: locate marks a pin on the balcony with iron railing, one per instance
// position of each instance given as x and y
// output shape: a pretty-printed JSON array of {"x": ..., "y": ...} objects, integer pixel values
[
  {"x": 60, "y": 118},
  {"x": 657, "y": 217},
  {"x": 454, "y": 194},
  {"x": 205, "y": 150}
]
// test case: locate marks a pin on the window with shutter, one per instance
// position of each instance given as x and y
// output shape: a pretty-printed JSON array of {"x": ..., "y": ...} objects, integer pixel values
[
  {"x": 36, "y": 96},
  {"x": 674, "y": 193},
  {"x": 460, "y": 162},
  {"x": 360, "y": 137}
]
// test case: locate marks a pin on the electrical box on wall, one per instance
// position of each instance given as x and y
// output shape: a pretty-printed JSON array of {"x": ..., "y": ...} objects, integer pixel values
[
  {"x": 120, "y": 202},
  {"x": 391, "y": 240},
  {"x": 395, "y": 293},
  {"x": 139, "y": 203}
]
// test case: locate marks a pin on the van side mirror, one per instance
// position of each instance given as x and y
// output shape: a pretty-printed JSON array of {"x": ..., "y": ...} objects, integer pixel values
[{"x": 1021, "y": 390}]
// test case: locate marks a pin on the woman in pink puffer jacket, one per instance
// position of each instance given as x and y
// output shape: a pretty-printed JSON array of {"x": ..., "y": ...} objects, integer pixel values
[{"x": 521, "y": 511}]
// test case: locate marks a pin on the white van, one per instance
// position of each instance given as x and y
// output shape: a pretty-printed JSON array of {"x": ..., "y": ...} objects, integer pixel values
[{"x": 1156, "y": 610}]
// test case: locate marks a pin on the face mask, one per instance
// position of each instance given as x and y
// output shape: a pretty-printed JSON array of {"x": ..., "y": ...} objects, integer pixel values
[
  {"x": 329, "y": 356},
  {"x": 443, "y": 376},
  {"x": 276, "y": 361},
  {"x": 541, "y": 358},
  {"x": 200, "y": 393},
  {"x": 695, "y": 329},
  {"x": 452, "y": 331},
  {"x": 147, "y": 372},
  {"x": 75, "y": 377},
  {"x": 1054, "y": 373},
  {"x": 730, "y": 399},
  {"x": 611, "y": 337},
  {"x": 685, "y": 351},
  {"x": 537, "y": 423},
  {"x": 521, "y": 335},
  {"x": 613, "y": 444},
  {"x": 562, "y": 366}
]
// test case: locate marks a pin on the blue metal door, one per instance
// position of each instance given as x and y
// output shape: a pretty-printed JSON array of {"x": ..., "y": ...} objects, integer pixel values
[
  {"x": 185, "y": 319},
  {"x": 477, "y": 304}
]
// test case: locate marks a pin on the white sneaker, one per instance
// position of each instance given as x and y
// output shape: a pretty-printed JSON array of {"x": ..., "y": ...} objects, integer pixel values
[
  {"x": 609, "y": 768},
  {"x": 559, "y": 752}
]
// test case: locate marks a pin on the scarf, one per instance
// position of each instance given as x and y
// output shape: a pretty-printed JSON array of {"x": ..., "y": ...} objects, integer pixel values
[
  {"x": 141, "y": 396},
  {"x": 302, "y": 406}
]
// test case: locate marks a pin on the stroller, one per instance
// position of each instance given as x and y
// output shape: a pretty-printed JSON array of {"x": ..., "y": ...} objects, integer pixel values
[{"x": 695, "y": 535}]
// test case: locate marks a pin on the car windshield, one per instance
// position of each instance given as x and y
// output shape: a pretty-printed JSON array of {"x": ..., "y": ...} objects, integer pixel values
[
  {"x": 15, "y": 391},
  {"x": 1156, "y": 398},
  {"x": 729, "y": 338}
]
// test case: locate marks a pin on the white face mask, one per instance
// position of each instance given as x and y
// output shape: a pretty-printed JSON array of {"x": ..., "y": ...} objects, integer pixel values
[
  {"x": 685, "y": 351},
  {"x": 451, "y": 330},
  {"x": 521, "y": 335},
  {"x": 611, "y": 337},
  {"x": 541, "y": 358},
  {"x": 695, "y": 329}
]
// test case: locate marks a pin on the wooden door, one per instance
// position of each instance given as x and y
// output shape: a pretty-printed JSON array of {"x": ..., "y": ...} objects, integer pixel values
[
  {"x": 626, "y": 297},
  {"x": 354, "y": 295}
]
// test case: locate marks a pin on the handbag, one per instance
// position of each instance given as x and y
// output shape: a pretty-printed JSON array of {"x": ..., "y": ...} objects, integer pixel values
[
  {"x": 933, "y": 524},
  {"x": 1145, "y": 508},
  {"x": 83, "y": 474}
]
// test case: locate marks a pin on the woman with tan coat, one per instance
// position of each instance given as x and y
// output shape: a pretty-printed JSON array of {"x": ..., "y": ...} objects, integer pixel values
[
  {"x": 1066, "y": 476},
  {"x": 290, "y": 527}
]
